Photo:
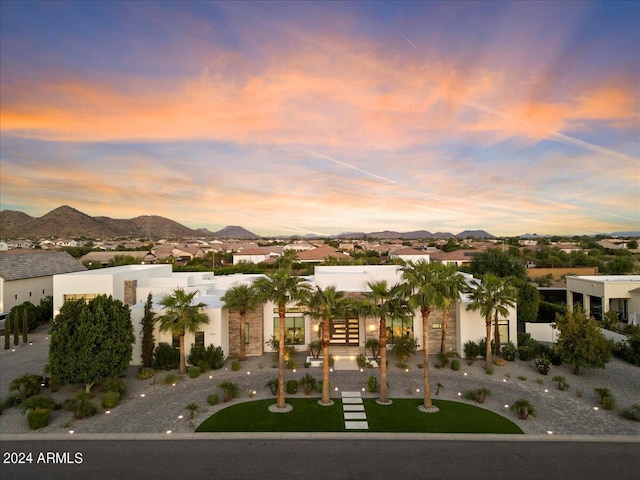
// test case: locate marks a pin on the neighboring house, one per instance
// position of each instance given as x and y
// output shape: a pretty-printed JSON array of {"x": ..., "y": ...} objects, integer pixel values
[
  {"x": 458, "y": 257},
  {"x": 319, "y": 254},
  {"x": 256, "y": 255},
  {"x": 599, "y": 294},
  {"x": 133, "y": 283},
  {"x": 27, "y": 275},
  {"x": 103, "y": 258},
  {"x": 4, "y": 246},
  {"x": 408, "y": 254}
]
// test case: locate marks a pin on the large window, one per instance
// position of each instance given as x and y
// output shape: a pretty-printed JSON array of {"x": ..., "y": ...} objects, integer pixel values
[
  {"x": 399, "y": 328},
  {"x": 503, "y": 327},
  {"x": 80, "y": 296},
  {"x": 199, "y": 339},
  {"x": 293, "y": 329}
]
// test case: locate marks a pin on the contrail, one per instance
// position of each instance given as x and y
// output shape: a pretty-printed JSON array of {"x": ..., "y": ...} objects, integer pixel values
[{"x": 410, "y": 42}]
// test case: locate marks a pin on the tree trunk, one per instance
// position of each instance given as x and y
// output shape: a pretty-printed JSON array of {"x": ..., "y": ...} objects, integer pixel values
[
  {"x": 87, "y": 387},
  {"x": 326, "y": 340},
  {"x": 384, "y": 391},
  {"x": 183, "y": 363},
  {"x": 444, "y": 329},
  {"x": 425, "y": 358},
  {"x": 488, "y": 361},
  {"x": 497, "y": 335},
  {"x": 281, "y": 315},
  {"x": 242, "y": 355}
]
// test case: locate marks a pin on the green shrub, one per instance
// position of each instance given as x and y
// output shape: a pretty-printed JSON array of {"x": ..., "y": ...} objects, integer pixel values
[
  {"x": 292, "y": 387},
  {"x": 26, "y": 385},
  {"x": 165, "y": 357},
  {"x": 81, "y": 406},
  {"x": 482, "y": 348},
  {"x": 404, "y": 347},
  {"x": 235, "y": 365},
  {"x": 602, "y": 392},
  {"x": 315, "y": 348},
  {"x": 562, "y": 382},
  {"x": 632, "y": 413},
  {"x": 194, "y": 372},
  {"x": 525, "y": 353},
  {"x": 509, "y": 352},
  {"x": 309, "y": 384},
  {"x": 230, "y": 391},
  {"x": 39, "y": 401},
  {"x": 373, "y": 345},
  {"x": 110, "y": 399},
  {"x": 556, "y": 359},
  {"x": 543, "y": 365},
  {"x": 455, "y": 364},
  {"x": 373, "y": 385},
  {"x": 523, "y": 409},
  {"x": 204, "y": 366},
  {"x": 361, "y": 360},
  {"x": 213, "y": 399},
  {"x": 38, "y": 418},
  {"x": 272, "y": 385},
  {"x": 170, "y": 379},
  {"x": 443, "y": 360},
  {"x": 488, "y": 371},
  {"x": 210, "y": 358},
  {"x": 608, "y": 403},
  {"x": 115, "y": 384},
  {"x": 471, "y": 351},
  {"x": 145, "y": 373},
  {"x": 478, "y": 395}
]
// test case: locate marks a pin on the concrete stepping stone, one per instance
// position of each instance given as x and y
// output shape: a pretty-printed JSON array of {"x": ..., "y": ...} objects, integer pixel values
[
  {"x": 355, "y": 416},
  {"x": 353, "y": 408},
  {"x": 356, "y": 425}
]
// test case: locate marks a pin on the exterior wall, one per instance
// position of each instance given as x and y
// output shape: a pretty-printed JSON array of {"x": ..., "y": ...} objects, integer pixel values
[
  {"x": 604, "y": 287},
  {"x": 472, "y": 326},
  {"x": 255, "y": 321},
  {"x": 32, "y": 290},
  {"x": 558, "y": 272},
  {"x": 542, "y": 332}
]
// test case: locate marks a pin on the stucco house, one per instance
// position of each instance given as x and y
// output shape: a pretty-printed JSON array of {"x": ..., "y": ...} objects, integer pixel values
[
  {"x": 598, "y": 294},
  {"x": 133, "y": 283}
]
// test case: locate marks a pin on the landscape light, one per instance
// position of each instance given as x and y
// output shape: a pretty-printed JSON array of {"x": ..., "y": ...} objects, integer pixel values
[
  {"x": 168, "y": 432},
  {"x": 546, "y": 390},
  {"x": 550, "y": 432},
  {"x": 107, "y": 412},
  {"x": 506, "y": 406},
  {"x": 210, "y": 377},
  {"x": 249, "y": 373},
  {"x": 71, "y": 431},
  {"x": 465, "y": 374},
  {"x": 459, "y": 394},
  {"x": 180, "y": 417},
  {"x": 596, "y": 408},
  {"x": 362, "y": 370},
  {"x": 336, "y": 389},
  {"x": 142, "y": 395}
]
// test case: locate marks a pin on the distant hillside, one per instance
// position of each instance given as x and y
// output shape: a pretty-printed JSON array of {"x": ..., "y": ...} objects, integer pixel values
[
  {"x": 390, "y": 235},
  {"x": 234, "y": 231},
  {"x": 474, "y": 234},
  {"x": 67, "y": 222}
]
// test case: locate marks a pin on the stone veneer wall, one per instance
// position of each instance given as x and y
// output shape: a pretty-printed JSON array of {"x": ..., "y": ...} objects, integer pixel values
[
  {"x": 255, "y": 345},
  {"x": 435, "y": 334},
  {"x": 130, "y": 287}
]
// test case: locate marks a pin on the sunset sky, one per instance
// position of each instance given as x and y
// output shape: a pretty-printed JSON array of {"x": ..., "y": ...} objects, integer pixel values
[{"x": 325, "y": 117}]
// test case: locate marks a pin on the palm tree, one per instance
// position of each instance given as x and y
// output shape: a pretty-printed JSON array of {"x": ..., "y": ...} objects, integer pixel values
[
  {"x": 450, "y": 285},
  {"x": 423, "y": 281},
  {"x": 326, "y": 304},
  {"x": 281, "y": 287},
  {"x": 492, "y": 296},
  {"x": 181, "y": 317},
  {"x": 241, "y": 298},
  {"x": 384, "y": 302}
]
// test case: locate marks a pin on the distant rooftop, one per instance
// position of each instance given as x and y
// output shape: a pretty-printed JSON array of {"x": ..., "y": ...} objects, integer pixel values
[{"x": 22, "y": 264}]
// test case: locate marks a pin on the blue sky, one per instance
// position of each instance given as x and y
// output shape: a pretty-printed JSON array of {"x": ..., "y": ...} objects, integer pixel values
[{"x": 324, "y": 117}]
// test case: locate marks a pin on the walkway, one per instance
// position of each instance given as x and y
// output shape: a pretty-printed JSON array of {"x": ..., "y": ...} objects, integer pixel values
[{"x": 355, "y": 418}]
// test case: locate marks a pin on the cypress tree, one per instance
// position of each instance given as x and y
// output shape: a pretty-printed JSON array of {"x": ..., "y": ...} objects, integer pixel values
[
  {"x": 16, "y": 329},
  {"x": 7, "y": 332},
  {"x": 148, "y": 340},
  {"x": 25, "y": 327}
]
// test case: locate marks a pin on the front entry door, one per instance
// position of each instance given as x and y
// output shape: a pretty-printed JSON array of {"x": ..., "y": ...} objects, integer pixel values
[{"x": 345, "y": 332}]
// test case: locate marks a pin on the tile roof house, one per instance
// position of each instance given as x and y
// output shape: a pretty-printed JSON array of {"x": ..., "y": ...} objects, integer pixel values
[{"x": 27, "y": 275}]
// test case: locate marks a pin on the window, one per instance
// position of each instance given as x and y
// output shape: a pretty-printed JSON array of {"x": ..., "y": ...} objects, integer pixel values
[
  {"x": 436, "y": 326},
  {"x": 175, "y": 340},
  {"x": 398, "y": 328},
  {"x": 77, "y": 296},
  {"x": 293, "y": 329},
  {"x": 246, "y": 333},
  {"x": 503, "y": 327},
  {"x": 199, "y": 339}
]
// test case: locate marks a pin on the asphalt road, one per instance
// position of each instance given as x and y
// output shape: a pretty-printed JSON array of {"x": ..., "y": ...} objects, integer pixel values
[{"x": 318, "y": 459}]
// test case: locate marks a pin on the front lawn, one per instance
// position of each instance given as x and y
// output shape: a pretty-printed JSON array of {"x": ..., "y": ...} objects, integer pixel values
[{"x": 402, "y": 416}]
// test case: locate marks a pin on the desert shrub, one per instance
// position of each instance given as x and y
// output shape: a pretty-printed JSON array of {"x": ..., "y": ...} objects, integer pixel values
[
  {"x": 145, "y": 373},
  {"x": 165, "y": 357},
  {"x": 213, "y": 399},
  {"x": 543, "y": 365},
  {"x": 443, "y": 360},
  {"x": 562, "y": 382},
  {"x": 632, "y": 413},
  {"x": 26, "y": 385},
  {"x": 471, "y": 351},
  {"x": 38, "y": 418},
  {"x": 309, "y": 383},
  {"x": 39, "y": 401},
  {"x": 235, "y": 365},
  {"x": 81, "y": 405},
  {"x": 628, "y": 351},
  {"x": 523, "y": 409},
  {"x": 525, "y": 353},
  {"x": 602, "y": 392},
  {"x": 556, "y": 359},
  {"x": 193, "y": 409},
  {"x": 373, "y": 385},
  {"x": 455, "y": 364},
  {"x": 292, "y": 387},
  {"x": 12, "y": 400},
  {"x": 230, "y": 391},
  {"x": 478, "y": 395},
  {"x": 361, "y": 360},
  {"x": 608, "y": 403},
  {"x": 110, "y": 399},
  {"x": 170, "y": 379},
  {"x": 194, "y": 372},
  {"x": 404, "y": 347},
  {"x": 482, "y": 348},
  {"x": 509, "y": 352},
  {"x": 210, "y": 358},
  {"x": 203, "y": 366},
  {"x": 115, "y": 384}
]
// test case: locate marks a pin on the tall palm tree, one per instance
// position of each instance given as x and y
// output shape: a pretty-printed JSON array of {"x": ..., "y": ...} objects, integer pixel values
[
  {"x": 492, "y": 296},
  {"x": 326, "y": 304},
  {"x": 281, "y": 287},
  {"x": 181, "y": 316},
  {"x": 384, "y": 302},
  {"x": 423, "y": 280},
  {"x": 241, "y": 298},
  {"x": 451, "y": 284}
]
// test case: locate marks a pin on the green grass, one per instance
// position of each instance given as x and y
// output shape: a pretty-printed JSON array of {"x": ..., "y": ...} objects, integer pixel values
[{"x": 402, "y": 416}]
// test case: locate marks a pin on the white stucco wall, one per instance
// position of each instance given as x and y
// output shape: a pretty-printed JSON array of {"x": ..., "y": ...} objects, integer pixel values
[
  {"x": 542, "y": 332},
  {"x": 472, "y": 326},
  {"x": 32, "y": 290}
]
